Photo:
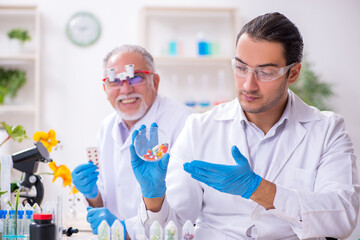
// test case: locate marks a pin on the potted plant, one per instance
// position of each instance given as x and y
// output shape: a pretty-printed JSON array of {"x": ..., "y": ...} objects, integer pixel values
[
  {"x": 18, "y": 37},
  {"x": 311, "y": 90},
  {"x": 10, "y": 82}
]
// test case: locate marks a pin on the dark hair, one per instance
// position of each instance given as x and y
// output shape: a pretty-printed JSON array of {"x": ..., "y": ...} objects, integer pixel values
[{"x": 275, "y": 27}]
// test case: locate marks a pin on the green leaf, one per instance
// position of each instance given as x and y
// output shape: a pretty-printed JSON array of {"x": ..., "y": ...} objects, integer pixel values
[
  {"x": 18, "y": 33},
  {"x": 10, "y": 82},
  {"x": 2, "y": 192},
  {"x": 14, "y": 186},
  {"x": 17, "y": 133}
]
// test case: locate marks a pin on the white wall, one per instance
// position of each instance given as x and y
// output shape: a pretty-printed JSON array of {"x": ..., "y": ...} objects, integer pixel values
[{"x": 73, "y": 102}]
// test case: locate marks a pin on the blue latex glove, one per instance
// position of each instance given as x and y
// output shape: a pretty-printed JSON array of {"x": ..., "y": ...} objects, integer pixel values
[
  {"x": 236, "y": 179},
  {"x": 84, "y": 178},
  {"x": 96, "y": 215},
  {"x": 150, "y": 175}
]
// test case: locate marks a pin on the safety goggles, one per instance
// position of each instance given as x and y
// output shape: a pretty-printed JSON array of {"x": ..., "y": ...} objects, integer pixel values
[
  {"x": 132, "y": 77},
  {"x": 264, "y": 74}
]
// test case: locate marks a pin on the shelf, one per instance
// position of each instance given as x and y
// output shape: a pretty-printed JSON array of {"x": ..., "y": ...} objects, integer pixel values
[
  {"x": 191, "y": 60},
  {"x": 176, "y": 36},
  {"x": 17, "y": 109},
  {"x": 12, "y": 9},
  {"x": 15, "y": 58},
  {"x": 25, "y": 108}
]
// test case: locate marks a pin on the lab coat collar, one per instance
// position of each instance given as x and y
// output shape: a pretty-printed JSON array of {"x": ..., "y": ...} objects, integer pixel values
[
  {"x": 300, "y": 111},
  {"x": 147, "y": 119}
]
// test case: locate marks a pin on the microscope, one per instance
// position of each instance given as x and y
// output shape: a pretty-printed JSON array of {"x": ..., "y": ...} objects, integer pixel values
[{"x": 27, "y": 161}]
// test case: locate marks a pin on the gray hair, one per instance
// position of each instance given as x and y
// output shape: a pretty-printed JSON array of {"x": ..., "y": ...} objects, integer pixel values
[{"x": 128, "y": 48}]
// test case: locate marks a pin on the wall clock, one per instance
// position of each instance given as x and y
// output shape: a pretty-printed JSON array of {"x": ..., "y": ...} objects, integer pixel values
[{"x": 83, "y": 29}]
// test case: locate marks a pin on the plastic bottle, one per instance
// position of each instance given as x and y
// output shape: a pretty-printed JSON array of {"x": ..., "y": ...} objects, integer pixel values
[
  {"x": 190, "y": 93},
  {"x": 221, "y": 88},
  {"x": 204, "y": 92},
  {"x": 203, "y": 48},
  {"x": 188, "y": 231},
  {"x": 117, "y": 231},
  {"x": 173, "y": 48},
  {"x": 42, "y": 228},
  {"x": 36, "y": 208},
  {"x": 104, "y": 231},
  {"x": 156, "y": 231},
  {"x": 171, "y": 231}
]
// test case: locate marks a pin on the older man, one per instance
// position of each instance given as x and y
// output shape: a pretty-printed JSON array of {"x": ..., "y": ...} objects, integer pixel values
[{"x": 131, "y": 85}]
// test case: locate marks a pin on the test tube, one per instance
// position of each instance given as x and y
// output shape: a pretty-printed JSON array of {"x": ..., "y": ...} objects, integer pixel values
[
  {"x": 20, "y": 225},
  {"x": 156, "y": 231},
  {"x": 5, "y": 222},
  {"x": 28, "y": 220},
  {"x": 11, "y": 223},
  {"x": 1, "y": 227},
  {"x": 2, "y": 223}
]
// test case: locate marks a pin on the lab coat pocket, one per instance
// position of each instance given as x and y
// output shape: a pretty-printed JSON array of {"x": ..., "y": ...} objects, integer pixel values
[{"x": 304, "y": 179}]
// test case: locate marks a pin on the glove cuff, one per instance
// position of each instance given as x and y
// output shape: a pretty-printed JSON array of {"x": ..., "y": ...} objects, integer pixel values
[
  {"x": 154, "y": 192},
  {"x": 92, "y": 195},
  {"x": 254, "y": 185}
]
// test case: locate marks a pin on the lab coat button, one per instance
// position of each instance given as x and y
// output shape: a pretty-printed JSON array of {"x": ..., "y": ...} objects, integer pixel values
[{"x": 254, "y": 232}]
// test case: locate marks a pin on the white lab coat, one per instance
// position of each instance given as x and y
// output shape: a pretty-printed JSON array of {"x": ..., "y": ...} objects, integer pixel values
[
  {"x": 313, "y": 167},
  {"x": 117, "y": 184}
]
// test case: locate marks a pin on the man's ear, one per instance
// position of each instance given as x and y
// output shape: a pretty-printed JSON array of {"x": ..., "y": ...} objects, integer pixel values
[
  {"x": 156, "y": 80},
  {"x": 294, "y": 73}
]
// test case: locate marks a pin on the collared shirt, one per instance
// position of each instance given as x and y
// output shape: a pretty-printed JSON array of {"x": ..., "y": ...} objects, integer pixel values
[
  {"x": 124, "y": 131},
  {"x": 260, "y": 146}
]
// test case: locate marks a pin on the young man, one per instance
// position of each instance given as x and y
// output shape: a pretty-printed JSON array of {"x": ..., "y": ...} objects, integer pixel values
[
  {"x": 264, "y": 166},
  {"x": 131, "y": 86}
]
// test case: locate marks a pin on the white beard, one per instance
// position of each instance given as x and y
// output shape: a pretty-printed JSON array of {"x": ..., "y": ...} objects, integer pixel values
[{"x": 139, "y": 114}]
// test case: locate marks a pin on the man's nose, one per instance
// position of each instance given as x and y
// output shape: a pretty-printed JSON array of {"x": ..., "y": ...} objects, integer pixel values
[
  {"x": 126, "y": 87},
  {"x": 250, "y": 83}
]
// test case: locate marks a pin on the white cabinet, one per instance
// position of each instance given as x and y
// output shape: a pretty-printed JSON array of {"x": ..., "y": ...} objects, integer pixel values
[
  {"x": 192, "y": 48},
  {"x": 24, "y": 109}
]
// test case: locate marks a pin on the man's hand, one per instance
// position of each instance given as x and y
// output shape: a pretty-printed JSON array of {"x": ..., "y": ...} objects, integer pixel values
[
  {"x": 236, "y": 179},
  {"x": 96, "y": 215},
  {"x": 84, "y": 178},
  {"x": 150, "y": 175}
]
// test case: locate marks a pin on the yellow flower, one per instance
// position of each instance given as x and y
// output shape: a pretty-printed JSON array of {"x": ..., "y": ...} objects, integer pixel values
[
  {"x": 61, "y": 171},
  {"x": 47, "y": 139},
  {"x": 74, "y": 190}
]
